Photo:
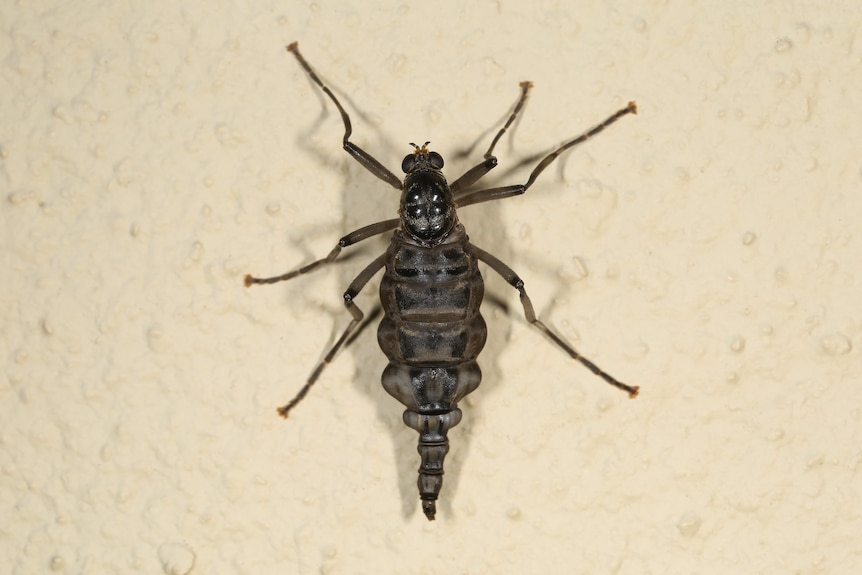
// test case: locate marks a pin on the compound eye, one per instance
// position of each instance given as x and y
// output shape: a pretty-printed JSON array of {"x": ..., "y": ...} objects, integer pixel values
[
  {"x": 408, "y": 163},
  {"x": 436, "y": 160}
]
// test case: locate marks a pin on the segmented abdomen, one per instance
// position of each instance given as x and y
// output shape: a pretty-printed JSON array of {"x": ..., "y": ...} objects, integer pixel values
[
  {"x": 431, "y": 332},
  {"x": 430, "y": 299}
]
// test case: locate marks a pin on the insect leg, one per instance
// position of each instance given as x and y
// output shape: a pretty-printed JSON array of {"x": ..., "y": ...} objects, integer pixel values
[
  {"x": 475, "y": 197},
  {"x": 352, "y": 291},
  {"x": 631, "y": 108},
  {"x": 353, "y": 237},
  {"x": 479, "y": 196},
  {"x": 369, "y": 319},
  {"x": 473, "y": 174},
  {"x": 525, "y": 88},
  {"x": 367, "y": 160},
  {"x": 512, "y": 278}
]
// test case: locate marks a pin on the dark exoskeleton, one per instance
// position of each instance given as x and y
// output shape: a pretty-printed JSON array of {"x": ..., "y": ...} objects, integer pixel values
[{"x": 432, "y": 330}]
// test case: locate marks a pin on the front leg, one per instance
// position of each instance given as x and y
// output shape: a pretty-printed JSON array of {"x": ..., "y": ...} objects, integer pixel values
[{"x": 367, "y": 160}]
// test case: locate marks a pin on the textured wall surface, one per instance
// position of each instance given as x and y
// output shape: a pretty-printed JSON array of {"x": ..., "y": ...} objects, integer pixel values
[{"x": 152, "y": 154}]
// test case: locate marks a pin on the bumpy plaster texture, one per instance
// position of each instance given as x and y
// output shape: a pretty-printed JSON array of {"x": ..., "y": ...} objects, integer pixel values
[{"x": 151, "y": 154}]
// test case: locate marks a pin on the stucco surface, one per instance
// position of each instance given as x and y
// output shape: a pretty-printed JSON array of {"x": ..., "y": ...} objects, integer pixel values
[{"x": 152, "y": 154}]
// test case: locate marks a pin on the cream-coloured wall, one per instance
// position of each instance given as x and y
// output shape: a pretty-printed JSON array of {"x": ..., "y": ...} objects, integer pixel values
[{"x": 151, "y": 154}]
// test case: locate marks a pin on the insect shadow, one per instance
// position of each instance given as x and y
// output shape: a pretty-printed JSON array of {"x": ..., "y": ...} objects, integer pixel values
[{"x": 431, "y": 289}]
